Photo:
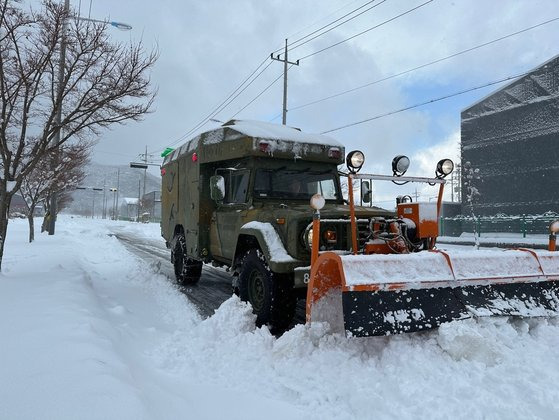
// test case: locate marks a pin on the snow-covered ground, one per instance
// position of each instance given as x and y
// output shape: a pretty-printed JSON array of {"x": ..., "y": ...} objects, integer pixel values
[{"x": 90, "y": 331}]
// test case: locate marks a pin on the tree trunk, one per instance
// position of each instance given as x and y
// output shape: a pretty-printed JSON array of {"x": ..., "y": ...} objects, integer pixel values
[
  {"x": 31, "y": 224},
  {"x": 5, "y": 200}
]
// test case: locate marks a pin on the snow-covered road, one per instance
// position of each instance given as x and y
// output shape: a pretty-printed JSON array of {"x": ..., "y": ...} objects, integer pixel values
[{"x": 89, "y": 330}]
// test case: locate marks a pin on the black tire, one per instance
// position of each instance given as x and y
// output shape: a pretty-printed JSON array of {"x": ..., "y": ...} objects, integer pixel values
[
  {"x": 187, "y": 270},
  {"x": 270, "y": 294}
]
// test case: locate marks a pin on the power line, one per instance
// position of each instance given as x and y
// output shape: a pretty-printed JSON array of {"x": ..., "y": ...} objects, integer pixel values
[
  {"x": 423, "y": 65},
  {"x": 221, "y": 106},
  {"x": 430, "y": 101},
  {"x": 334, "y": 27},
  {"x": 275, "y": 118},
  {"x": 231, "y": 97},
  {"x": 240, "y": 89},
  {"x": 260, "y": 94},
  {"x": 367, "y": 30},
  {"x": 320, "y": 20},
  {"x": 228, "y": 103},
  {"x": 234, "y": 94},
  {"x": 257, "y": 96},
  {"x": 328, "y": 24}
]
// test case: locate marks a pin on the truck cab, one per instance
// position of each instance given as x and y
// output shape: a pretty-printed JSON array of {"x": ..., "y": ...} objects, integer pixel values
[{"x": 239, "y": 196}]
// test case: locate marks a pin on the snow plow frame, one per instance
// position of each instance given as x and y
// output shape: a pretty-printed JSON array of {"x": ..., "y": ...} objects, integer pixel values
[{"x": 374, "y": 301}]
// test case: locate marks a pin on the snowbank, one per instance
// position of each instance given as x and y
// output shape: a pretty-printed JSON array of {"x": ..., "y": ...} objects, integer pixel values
[{"x": 91, "y": 331}]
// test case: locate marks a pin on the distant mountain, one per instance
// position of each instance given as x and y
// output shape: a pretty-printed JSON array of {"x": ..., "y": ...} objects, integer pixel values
[{"x": 106, "y": 177}]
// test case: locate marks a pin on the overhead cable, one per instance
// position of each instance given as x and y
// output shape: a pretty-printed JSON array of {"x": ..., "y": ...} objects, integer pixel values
[
  {"x": 221, "y": 106},
  {"x": 293, "y": 46},
  {"x": 423, "y": 65},
  {"x": 367, "y": 30},
  {"x": 430, "y": 101}
]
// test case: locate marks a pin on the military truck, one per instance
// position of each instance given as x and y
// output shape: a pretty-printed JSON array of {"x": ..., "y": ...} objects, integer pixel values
[{"x": 239, "y": 196}]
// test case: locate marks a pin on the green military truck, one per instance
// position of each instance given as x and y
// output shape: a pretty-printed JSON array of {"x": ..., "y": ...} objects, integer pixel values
[{"x": 239, "y": 196}]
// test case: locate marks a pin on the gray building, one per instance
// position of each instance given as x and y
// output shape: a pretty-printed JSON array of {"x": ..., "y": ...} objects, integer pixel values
[
  {"x": 151, "y": 203},
  {"x": 512, "y": 137}
]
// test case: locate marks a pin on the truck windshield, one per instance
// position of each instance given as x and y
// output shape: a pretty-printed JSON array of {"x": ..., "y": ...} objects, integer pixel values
[{"x": 285, "y": 183}]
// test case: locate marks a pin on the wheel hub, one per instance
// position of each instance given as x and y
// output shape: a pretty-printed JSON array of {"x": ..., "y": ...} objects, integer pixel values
[{"x": 256, "y": 290}]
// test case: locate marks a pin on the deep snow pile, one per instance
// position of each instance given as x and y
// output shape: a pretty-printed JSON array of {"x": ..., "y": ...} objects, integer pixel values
[{"x": 90, "y": 331}]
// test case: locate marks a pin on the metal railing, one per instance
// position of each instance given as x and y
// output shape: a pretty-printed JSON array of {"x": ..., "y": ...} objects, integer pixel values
[{"x": 524, "y": 224}]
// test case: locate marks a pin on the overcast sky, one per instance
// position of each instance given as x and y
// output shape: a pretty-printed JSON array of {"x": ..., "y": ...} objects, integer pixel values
[{"x": 207, "y": 48}]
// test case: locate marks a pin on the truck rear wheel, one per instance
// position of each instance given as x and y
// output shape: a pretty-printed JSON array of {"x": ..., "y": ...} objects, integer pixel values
[
  {"x": 187, "y": 270},
  {"x": 270, "y": 294}
]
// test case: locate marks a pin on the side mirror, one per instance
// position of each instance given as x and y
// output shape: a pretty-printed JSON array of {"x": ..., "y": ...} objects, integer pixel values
[
  {"x": 217, "y": 188},
  {"x": 366, "y": 191}
]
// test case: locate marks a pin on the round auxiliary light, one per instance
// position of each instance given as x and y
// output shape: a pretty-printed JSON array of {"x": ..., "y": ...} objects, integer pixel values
[
  {"x": 400, "y": 165},
  {"x": 355, "y": 160},
  {"x": 308, "y": 238},
  {"x": 444, "y": 168},
  {"x": 554, "y": 227},
  {"x": 317, "y": 202}
]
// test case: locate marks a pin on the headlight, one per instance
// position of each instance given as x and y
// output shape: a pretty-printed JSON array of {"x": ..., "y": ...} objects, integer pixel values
[
  {"x": 400, "y": 165},
  {"x": 444, "y": 168},
  {"x": 355, "y": 160},
  {"x": 309, "y": 238},
  {"x": 330, "y": 236},
  {"x": 317, "y": 202}
]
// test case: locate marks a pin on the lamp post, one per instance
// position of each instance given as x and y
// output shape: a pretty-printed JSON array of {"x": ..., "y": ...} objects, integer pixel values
[
  {"x": 113, "y": 190},
  {"x": 142, "y": 165},
  {"x": 93, "y": 190},
  {"x": 59, "y": 92}
]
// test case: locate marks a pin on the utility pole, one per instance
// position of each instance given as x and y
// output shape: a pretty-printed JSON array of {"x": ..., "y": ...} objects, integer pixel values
[
  {"x": 285, "y": 63},
  {"x": 146, "y": 169},
  {"x": 104, "y": 197},
  {"x": 113, "y": 212},
  {"x": 117, "y": 192},
  {"x": 138, "y": 201}
]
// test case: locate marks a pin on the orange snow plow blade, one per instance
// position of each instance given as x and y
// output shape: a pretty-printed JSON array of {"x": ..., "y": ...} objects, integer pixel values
[{"x": 396, "y": 293}]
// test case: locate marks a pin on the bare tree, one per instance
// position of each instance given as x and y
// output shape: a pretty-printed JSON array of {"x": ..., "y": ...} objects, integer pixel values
[
  {"x": 104, "y": 83},
  {"x": 43, "y": 180}
]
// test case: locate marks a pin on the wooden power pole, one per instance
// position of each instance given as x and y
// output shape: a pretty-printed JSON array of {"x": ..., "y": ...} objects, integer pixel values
[{"x": 285, "y": 63}]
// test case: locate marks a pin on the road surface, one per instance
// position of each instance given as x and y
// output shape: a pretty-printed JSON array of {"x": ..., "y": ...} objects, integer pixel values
[{"x": 208, "y": 294}]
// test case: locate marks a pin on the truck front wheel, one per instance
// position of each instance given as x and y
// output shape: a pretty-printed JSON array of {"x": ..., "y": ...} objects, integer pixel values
[
  {"x": 187, "y": 270},
  {"x": 270, "y": 294}
]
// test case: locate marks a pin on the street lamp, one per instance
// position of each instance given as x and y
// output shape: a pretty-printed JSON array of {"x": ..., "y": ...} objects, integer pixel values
[
  {"x": 118, "y": 25},
  {"x": 59, "y": 92},
  {"x": 114, "y": 190},
  {"x": 142, "y": 165},
  {"x": 93, "y": 189}
]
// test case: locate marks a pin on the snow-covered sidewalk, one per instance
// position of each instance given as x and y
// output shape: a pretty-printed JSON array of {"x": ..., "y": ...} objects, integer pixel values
[{"x": 88, "y": 330}]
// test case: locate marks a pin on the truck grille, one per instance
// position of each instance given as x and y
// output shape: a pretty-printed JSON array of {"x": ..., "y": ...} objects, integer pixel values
[{"x": 342, "y": 228}]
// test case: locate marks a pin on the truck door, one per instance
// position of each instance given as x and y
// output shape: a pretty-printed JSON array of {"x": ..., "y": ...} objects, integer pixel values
[{"x": 231, "y": 214}]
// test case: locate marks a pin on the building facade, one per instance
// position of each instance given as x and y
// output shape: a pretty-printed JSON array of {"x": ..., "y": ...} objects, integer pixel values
[
  {"x": 151, "y": 203},
  {"x": 512, "y": 138}
]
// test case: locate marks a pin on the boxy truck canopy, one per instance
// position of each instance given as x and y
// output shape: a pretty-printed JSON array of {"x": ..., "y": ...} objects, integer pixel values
[
  {"x": 238, "y": 139},
  {"x": 183, "y": 200}
]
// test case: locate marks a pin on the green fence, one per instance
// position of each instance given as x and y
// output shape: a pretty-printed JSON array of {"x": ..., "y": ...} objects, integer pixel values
[{"x": 523, "y": 224}]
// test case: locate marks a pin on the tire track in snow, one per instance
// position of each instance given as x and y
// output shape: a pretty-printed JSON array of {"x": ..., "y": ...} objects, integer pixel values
[{"x": 209, "y": 293}]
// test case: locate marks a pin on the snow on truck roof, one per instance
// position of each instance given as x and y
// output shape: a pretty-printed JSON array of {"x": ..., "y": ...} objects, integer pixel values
[
  {"x": 267, "y": 130},
  {"x": 280, "y": 138}
]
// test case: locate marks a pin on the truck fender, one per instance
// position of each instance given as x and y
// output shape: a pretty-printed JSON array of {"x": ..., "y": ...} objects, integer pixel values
[{"x": 271, "y": 245}]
